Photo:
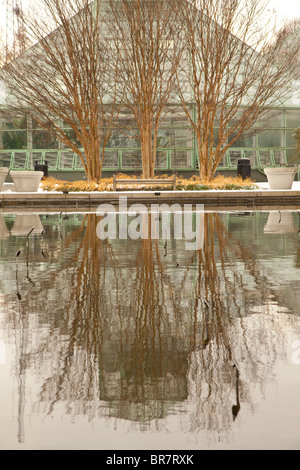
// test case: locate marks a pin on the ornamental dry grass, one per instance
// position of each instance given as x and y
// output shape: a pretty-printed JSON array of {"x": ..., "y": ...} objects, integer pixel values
[{"x": 183, "y": 184}]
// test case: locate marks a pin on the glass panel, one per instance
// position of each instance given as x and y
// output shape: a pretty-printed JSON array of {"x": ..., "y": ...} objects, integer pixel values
[
  {"x": 125, "y": 115},
  {"x": 252, "y": 157},
  {"x": 15, "y": 121},
  {"x": 161, "y": 159},
  {"x": 176, "y": 117},
  {"x": 66, "y": 160},
  {"x": 245, "y": 141},
  {"x": 131, "y": 159},
  {"x": 293, "y": 157},
  {"x": 297, "y": 137},
  {"x": 72, "y": 137},
  {"x": 19, "y": 160},
  {"x": 183, "y": 138},
  {"x": 235, "y": 155},
  {"x": 182, "y": 159},
  {"x": 46, "y": 124},
  {"x": 111, "y": 159},
  {"x": 273, "y": 118},
  {"x": 223, "y": 163},
  {"x": 216, "y": 136},
  {"x": 280, "y": 157},
  {"x": 67, "y": 125},
  {"x": 180, "y": 138},
  {"x": 122, "y": 140},
  {"x": 34, "y": 157},
  {"x": 51, "y": 158},
  {"x": 265, "y": 157},
  {"x": 291, "y": 140},
  {"x": 13, "y": 140},
  {"x": 5, "y": 159},
  {"x": 293, "y": 119},
  {"x": 78, "y": 163},
  {"x": 43, "y": 140},
  {"x": 165, "y": 138},
  {"x": 1, "y": 141},
  {"x": 271, "y": 139}
]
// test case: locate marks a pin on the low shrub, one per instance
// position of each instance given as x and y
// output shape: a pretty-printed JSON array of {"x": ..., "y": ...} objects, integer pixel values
[{"x": 183, "y": 184}]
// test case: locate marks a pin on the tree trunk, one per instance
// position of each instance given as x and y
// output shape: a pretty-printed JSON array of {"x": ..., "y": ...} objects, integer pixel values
[
  {"x": 93, "y": 163},
  {"x": 147, "y": 151},
  {"x": 202, "y": 151}
]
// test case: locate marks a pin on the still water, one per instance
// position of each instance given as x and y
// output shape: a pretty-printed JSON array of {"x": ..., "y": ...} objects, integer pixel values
[{"x": 144, "y": 344}]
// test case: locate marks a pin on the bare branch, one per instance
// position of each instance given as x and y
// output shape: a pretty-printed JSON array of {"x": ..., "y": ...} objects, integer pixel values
[
  {"x": 147, "y": 45},
  {"x": 234, "y": 75},
  {"x": 63, "y": 81}
]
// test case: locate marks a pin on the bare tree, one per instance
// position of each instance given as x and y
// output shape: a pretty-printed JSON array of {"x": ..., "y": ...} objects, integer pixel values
[
  {"x": 12, "y": 43},
  {"x": 289, "y": 28},
  {"x": 63, "y": 81},
  {"x": 2, "y": 51},
  {"x": 232, "y": 75},
  {"x": 148, "y": 49}
]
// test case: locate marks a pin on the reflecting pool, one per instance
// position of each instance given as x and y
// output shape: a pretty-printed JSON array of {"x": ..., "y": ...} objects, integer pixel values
[{"x": 141, "y": 343}]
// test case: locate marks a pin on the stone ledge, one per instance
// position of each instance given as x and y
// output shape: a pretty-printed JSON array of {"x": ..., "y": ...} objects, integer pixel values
[{"x": 92, "y": 199}]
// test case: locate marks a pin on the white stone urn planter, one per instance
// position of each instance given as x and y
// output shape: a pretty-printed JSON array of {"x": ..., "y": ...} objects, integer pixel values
[
  {"x": 280, "y": 223},
  {"x": 26, "y": 181},
  {"x": 24, "y": 223},
  {"x": 4, "y": 233},
  {"x": 3, "y": 175},
  {"x": 280, "y": 178}
]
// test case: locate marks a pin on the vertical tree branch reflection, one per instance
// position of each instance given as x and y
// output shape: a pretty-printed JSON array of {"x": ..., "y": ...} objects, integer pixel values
[
  {"x": 156, "y": 356},
  {"x": 234, "y": 346},
  {"x": 75, "y": 372}
]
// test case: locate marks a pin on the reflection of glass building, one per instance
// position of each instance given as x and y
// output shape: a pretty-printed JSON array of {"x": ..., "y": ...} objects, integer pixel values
[{"x": 272, "y": 142}]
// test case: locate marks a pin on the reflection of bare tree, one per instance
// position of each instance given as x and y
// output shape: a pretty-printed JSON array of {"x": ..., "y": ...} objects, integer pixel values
[
  {"x": 119, "y": 326},
  {"x": 153, "y": 342},
  {"x": 128, "y": 335},
  {"x": 83, "y": 322},
  {"x": 233, "y": 349},
  {"x": 21, "y": 330}
]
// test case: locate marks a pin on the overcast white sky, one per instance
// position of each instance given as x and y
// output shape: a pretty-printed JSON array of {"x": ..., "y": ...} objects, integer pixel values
[{"x": 285, "y": 9}]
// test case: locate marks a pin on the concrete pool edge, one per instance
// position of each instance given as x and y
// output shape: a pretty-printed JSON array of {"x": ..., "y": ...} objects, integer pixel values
[{"x": 87, "y": 200}]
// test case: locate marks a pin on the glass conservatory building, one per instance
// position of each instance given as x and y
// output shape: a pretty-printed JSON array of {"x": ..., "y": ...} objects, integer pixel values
[{"x": 272, "y": 142}]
